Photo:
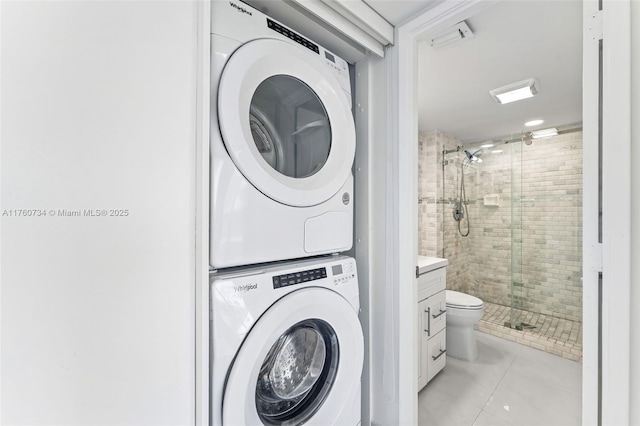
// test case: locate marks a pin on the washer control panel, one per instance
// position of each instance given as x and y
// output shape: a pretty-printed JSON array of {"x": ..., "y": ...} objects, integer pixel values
[
  {"x": 343, "y": 272},
  {"x": 336, "y": 272},
  {"x": 293, "y": 278}
]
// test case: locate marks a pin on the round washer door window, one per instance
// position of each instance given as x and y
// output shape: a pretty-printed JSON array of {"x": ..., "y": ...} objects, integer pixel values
[
  {"x": 286, "y": 122},
  {"x": 300, "y": 363},
  {"x": 297, "y": 373}
]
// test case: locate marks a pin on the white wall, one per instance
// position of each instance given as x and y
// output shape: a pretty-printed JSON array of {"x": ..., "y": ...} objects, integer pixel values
[
  {"x": 98, "y": 112},
  {"x": 634, "y": 395}
]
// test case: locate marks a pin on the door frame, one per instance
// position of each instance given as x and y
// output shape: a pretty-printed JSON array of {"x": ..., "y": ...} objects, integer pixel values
[
  {"x": 614, "y": 246},
  {"x": 403, "y": 99}
]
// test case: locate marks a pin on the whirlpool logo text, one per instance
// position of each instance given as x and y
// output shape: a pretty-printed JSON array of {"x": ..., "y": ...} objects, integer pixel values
[
  {"x": 240, "y": 8},
  {"x": 245, "y": 288}
]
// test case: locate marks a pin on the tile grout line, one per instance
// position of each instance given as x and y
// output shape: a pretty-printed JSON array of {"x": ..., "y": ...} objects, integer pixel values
[{"x": 517, "y": 353}]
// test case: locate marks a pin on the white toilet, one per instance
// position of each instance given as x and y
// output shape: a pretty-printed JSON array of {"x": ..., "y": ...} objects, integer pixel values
[{"x": 463, "y": 312}]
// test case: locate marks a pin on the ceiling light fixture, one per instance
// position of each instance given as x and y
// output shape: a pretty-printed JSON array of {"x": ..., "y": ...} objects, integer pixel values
[
  {"x": 516, "y": 91},
  {"x": 489, "y": 145},
  {"x": 533, "y": 123},
  {"x": 544, "y": 133}
]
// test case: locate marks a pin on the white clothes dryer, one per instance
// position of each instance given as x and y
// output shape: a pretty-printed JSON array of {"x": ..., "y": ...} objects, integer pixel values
[
  {"x": 282, "y": 142},
  {"x": 286, "y": 344}
]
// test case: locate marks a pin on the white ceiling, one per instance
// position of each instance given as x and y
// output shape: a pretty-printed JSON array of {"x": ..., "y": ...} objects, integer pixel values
[{"x": 514, "y": 40}]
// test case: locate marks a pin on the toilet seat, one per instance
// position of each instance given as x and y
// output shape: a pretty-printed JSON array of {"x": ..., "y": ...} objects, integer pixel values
[{"x": 458, "y": 300}]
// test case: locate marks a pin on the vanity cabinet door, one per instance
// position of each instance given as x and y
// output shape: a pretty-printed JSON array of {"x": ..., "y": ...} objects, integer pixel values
[{"x": 436, "y": 354}]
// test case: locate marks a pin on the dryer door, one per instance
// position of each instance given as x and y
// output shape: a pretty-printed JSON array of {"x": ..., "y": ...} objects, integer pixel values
[
  {"x": 286, "y": 122},
  {"x": 300, "y": 363}
]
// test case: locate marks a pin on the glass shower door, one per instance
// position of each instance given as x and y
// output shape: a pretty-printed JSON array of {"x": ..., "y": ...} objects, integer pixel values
[{"x": 517, "y": 284}]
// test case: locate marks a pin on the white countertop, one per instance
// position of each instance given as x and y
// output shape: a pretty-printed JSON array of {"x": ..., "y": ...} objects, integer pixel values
[{"x": 426, "y": 264}]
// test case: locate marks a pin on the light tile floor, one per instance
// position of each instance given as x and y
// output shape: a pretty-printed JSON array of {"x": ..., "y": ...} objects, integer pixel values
[
  {"x": 509, "y": 385},
  {"x": 551, "y": 334}
]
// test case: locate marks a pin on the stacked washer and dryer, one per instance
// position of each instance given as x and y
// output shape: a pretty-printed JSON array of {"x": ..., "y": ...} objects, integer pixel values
[{"x": 286, "y": 343}]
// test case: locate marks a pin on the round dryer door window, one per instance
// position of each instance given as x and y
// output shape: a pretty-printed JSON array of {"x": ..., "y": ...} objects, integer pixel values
[
  {"x": 286, "y": 122},
  {"x": 300, "y": 363},
  {"x": 290, "y": 126}
]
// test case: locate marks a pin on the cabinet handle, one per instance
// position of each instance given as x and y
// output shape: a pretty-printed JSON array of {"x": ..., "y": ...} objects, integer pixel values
[
  {"x": 438, "y": 315},
  {"x": 442, "y": 352},
  {"x": 427, "y": 322}
]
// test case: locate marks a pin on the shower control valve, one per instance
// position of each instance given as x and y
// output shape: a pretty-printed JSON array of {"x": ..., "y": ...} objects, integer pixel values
[{"x": 458, "y": 212}]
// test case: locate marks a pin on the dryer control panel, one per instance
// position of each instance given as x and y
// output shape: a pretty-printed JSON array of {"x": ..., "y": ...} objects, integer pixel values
[
  {"x": 338, "y": 65},
  {"x": 292, "y": 35}
]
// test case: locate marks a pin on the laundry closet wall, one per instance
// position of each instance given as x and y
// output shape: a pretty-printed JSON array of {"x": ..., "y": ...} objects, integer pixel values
[{"x": 98, "y": 113}]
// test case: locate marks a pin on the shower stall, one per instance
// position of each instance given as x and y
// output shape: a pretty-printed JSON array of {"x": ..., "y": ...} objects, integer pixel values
[{"x": 507, "y": 214}]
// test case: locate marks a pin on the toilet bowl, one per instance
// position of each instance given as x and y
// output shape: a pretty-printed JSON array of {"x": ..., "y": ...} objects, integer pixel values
[{"x": 463, "y": 312}]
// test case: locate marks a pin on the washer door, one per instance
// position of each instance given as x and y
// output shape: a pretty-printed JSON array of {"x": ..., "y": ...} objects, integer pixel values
[
  {"x": 286, "y": 122},
  {"x": 300, "y": 363}
]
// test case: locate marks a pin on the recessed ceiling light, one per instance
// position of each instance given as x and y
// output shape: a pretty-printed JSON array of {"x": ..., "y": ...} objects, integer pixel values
[
  {"x": 533, "y": 123},
  {"x": 544, "y": 133},
  {"x": 497, "y": 151},
  {"x": 516, "y": 91},
  {"x": 489, "y": 145}
]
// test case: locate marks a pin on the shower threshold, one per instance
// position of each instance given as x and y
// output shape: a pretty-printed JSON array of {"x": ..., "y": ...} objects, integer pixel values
[{"x": 558, "y": 336}]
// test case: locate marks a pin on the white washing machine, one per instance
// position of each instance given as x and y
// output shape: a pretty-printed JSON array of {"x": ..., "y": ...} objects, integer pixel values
[
  {"x": 286, "y": 344},
  {"x": 282, "y": 142}
]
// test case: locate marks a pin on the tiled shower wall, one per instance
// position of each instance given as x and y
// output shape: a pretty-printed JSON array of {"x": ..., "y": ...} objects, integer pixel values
[
  {"x": 547, "y": 192},
  {"x": 429, "y": 188},
  {"x": 438, "y": 235}
]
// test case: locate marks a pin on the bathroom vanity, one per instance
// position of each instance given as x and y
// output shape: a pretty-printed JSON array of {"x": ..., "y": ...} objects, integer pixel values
[{"x": 432, "y": 317}]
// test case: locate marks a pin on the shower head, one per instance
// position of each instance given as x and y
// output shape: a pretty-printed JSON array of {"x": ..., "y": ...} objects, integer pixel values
[
  {"x": 528, "y": 138},
  {"x": 475, "y": 157}
]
